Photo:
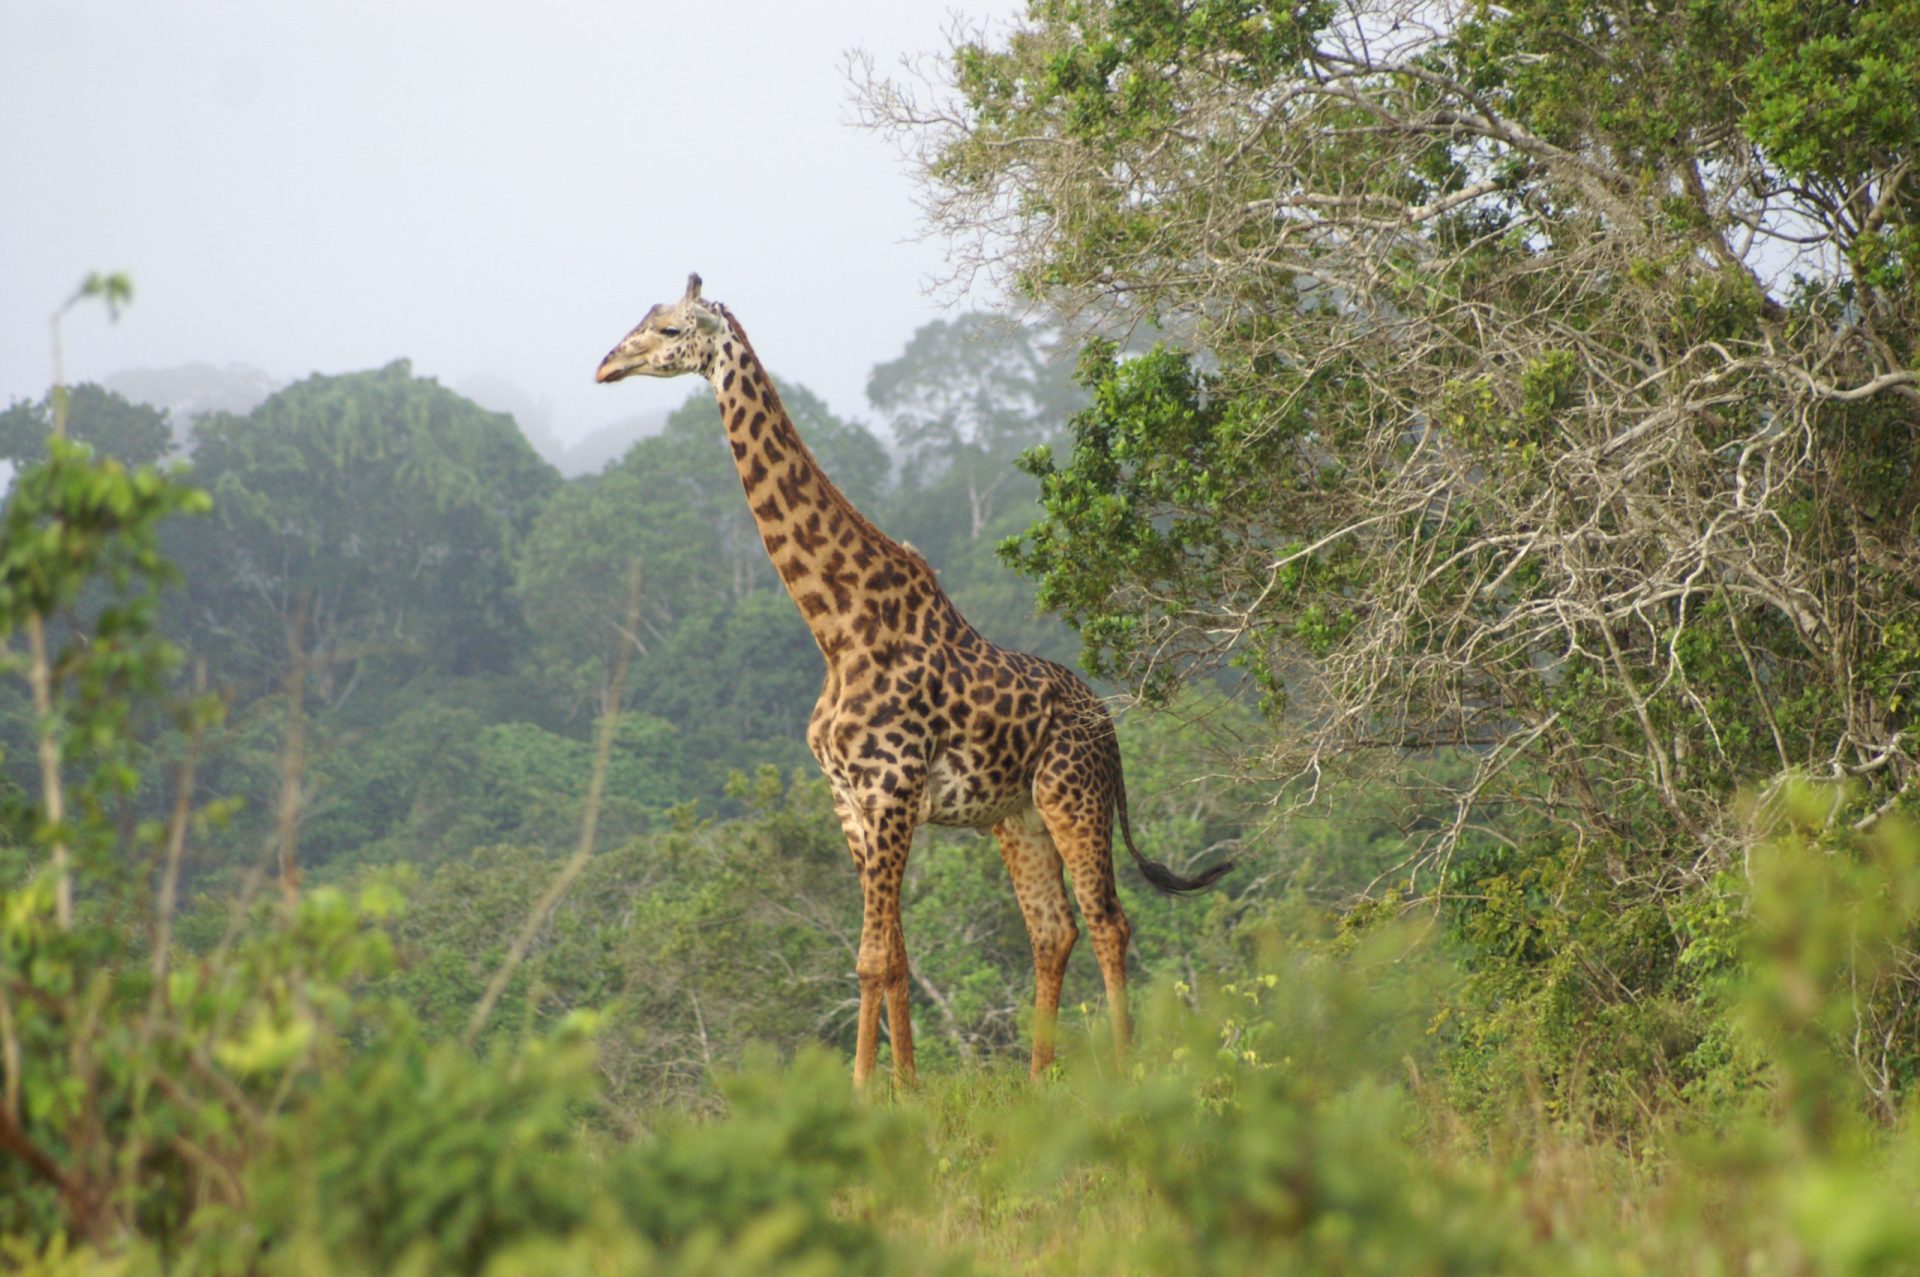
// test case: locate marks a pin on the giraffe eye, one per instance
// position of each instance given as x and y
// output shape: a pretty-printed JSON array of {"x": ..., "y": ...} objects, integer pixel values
[{"x": 669, "y": 332}]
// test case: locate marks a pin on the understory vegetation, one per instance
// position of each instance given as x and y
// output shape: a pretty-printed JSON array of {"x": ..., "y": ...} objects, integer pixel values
[{"x": 1476, "y": 442}]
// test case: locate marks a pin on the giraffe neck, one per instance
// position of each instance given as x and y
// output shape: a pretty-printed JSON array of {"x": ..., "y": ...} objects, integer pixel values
[{"x": 856, "y": 587}]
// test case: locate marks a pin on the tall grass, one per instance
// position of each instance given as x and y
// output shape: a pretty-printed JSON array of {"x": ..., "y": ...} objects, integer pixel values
[{"x": 1296, "y": 1118}]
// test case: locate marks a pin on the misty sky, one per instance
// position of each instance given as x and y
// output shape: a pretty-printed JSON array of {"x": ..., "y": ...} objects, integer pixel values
[{"x": 487, "y": 188}]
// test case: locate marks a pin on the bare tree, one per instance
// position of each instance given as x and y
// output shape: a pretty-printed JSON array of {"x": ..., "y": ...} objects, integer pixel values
[{"x": 1556, "y": 372}]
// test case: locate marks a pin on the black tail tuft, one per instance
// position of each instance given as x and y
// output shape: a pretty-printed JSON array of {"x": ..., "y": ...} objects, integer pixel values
[
  {"x": 1158, "y": 876},
  {"x": 1170, "y": 883}
]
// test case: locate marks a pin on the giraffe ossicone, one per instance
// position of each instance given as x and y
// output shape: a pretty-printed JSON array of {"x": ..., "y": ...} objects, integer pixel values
[{"x": 921, "y": 720}]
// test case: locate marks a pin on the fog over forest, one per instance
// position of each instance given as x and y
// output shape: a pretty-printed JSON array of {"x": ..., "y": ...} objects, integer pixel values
[{"x": 492, "y": 190}]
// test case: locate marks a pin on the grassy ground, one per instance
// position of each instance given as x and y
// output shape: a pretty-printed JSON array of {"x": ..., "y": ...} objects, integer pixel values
[{"x": 1295, "y": 1123}]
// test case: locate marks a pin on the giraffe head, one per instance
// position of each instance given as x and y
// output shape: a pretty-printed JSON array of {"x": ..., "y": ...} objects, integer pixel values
[{"x": 674, "y": 338}]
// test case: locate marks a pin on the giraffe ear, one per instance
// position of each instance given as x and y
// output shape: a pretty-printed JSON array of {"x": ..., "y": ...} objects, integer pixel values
[{"x": 693, "y": 288}]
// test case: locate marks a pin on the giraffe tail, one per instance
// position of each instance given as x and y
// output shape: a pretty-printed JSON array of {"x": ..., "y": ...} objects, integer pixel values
[{"x": 1158, "y": 876}]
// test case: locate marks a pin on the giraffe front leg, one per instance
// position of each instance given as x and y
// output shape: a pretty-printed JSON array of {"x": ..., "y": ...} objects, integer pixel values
[
  {"x": 860, "y": 845},
  {"x": 882, "y": 963}
]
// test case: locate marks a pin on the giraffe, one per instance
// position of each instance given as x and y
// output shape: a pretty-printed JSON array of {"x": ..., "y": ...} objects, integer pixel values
[{"x": 920, "y": 719}]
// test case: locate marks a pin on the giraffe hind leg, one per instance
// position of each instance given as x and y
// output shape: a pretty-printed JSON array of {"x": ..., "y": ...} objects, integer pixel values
[
  {"x": 1034, "y": 866},
  {"x": 1080, "y": 819},
  {"x": 899, "y": 1006}
]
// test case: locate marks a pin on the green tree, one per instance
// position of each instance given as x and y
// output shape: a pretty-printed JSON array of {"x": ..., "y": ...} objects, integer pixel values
[
  {"x": 738, "y": 682},
  {"x": 577, "y": 563},
  {"x": 80, "y": 578},
  {"x": 372, "y": 518},
  {"x": 966, "y": 397},
  {"x": 1532, "y": 426},
  {"x": 130, "y": 433}
]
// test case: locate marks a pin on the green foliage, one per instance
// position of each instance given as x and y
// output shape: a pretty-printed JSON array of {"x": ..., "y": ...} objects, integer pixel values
[
  {"x": 113, "y": 288},
  {"x": 1297, "y": 1106},
  {"x": 378, "y": 513},
  {"x": 132, "y": 434},
  {"x": 81, "y": 573},
  {"x": 963, "y": 399},
  {"x": 774, "y": 1173},
  {"x": 439, "y": 781},
  {"x": 738, "y": 682},
  {"x": 138, "y": 1101},
  {"x": 1154, "y": 455},
  {"x": 71, "y": 519},
  {"x": 1277, "y": 1129},
  {"x": 1835, "y": 87},
  {"x": 1575, "y": 989},
  {"x": 578, "y": 563},
  {"x": 1826, "y": 992},
  {"x": 412, "y": 1158},
  {"x": 479, "y": 1166}
]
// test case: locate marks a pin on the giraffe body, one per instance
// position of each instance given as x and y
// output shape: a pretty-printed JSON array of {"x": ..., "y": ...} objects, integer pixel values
[{"x": 920, "y": 720}]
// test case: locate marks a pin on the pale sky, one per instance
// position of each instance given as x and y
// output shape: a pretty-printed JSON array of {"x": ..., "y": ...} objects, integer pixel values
[{"x": 482, "y": 186}]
